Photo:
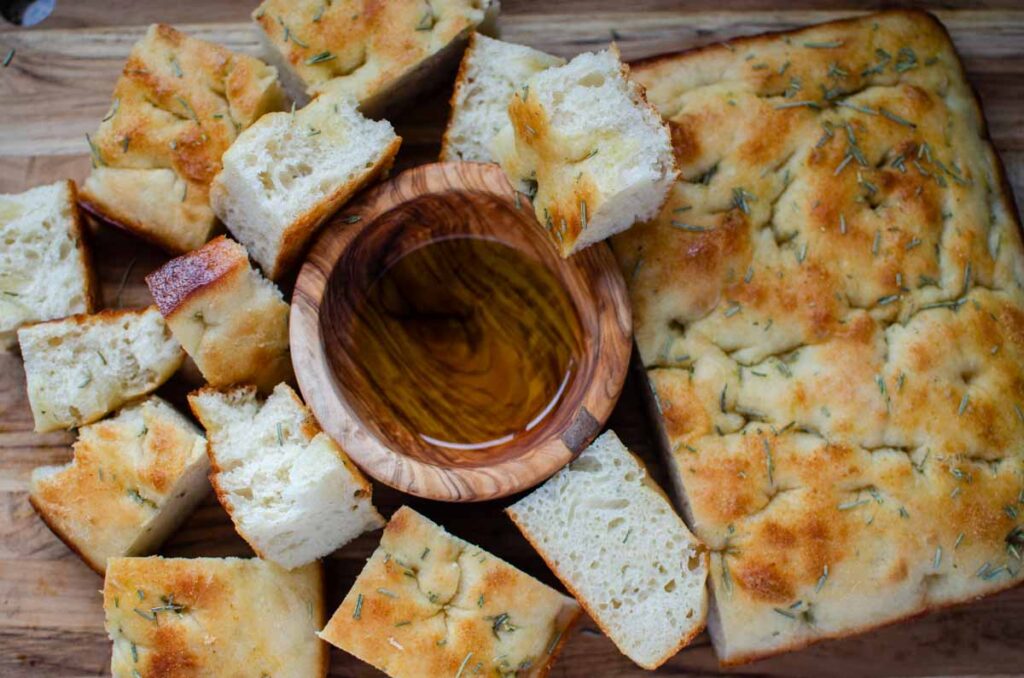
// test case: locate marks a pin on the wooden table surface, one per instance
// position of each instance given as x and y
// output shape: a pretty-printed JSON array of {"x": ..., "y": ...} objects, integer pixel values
[{"x": 58, "y": 87}]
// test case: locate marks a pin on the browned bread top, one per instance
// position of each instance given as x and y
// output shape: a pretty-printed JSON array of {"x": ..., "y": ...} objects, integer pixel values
[
  {"x": 173, "y": 283},
  {"x": 829, "y": 308},
  {"x": 178, "y": 105}
]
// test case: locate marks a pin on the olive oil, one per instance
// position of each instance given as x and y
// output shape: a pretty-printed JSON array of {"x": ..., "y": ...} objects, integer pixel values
[{"x": 467, "y": 341}]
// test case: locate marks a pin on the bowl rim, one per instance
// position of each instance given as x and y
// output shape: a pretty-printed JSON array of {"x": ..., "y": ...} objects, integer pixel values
[{"x": 412, "y": 475}]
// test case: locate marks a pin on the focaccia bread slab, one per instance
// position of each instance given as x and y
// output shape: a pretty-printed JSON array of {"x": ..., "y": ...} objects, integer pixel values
[
  {"x": 430, "y": 604},
  {"x": 830, "y": 311},
  {"x": 213, "y": 618},
  {"x": 374, "y": 52},
  {"x": 178, "y": 105},
  {"x": 134, "y": 478}
]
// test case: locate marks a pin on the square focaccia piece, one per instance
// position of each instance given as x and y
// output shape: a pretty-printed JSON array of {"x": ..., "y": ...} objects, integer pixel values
[
  {"x": 429, "y": 604},
  {"x": 491, "y": 70},
  {"x": 213, "y": 617},
  {"x": 179, "y": 103},
  {"x": 45, "y": 268},
  {"x": 583, "y": 142},
  {"x": 611, "y": 536},
  {"x": 291, "y": 492},
  {"x": 232, "y": 321},
  {"x": 374, "y": 52},
  {"x": 289, "y": 172},
  {"x": 830, "y": 312},
  {"x": 134, "y": 478},
  {"x": 81, "y": 368}
]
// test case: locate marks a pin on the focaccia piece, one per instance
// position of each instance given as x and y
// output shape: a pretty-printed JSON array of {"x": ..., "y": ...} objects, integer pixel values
[
  {"x": 291, "y": 492},
  {"x": 289, "y": 172},
  {"x": 81, "y": 368},
  {"x": 612, "y": 537},
  {"x": 374, "y": 52},
  {"x": 491, "y": 70},
  {"x": 232, "y": 321},
  {"x": 589, "y": 150},
  {"x": 134, "y": 478},
  {"x": 45, "y": 268},
  {"x": 830, "y": 311},
  {"x": 213, "y": 617},
  {"x": 178, "y": 105},
  {"x": 429, "y": 604}
]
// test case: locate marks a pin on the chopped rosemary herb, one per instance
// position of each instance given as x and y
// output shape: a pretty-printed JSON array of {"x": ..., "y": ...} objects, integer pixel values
[
  {"x": 740, "y": 199},
  {"x": 734, "y": 308},
  {"x": 501, "y": 623},
  {"x": 830, "y": 44},
  {"x": 626, "y": 538},
  {"x": 906, "y": 60},
  {"x": 959, "y": 539},
  {"x": 402, "y": 623},
  {"x": 938, "y": 558},
  {"x": 846, "y": 506},
  {"x": 876, "y": 244},
  {"x": 886, "y": 300},
  {"x": 692, "y": 228},
  {"x": 357, "y": 613},
  {"x": 796, "y": 104},
  {"x": 8, "y": 57},
  {"x": 426, "y": 552},
  {"x": 821, "y": 580},
  {"x": 859, "y": 109},
  {"x": 769, "y": 462},
  {"x": 801, "y": 253},
  {"x": 97, "y": 159},
  {"x": 320, "y": 58},
  {"x": 113, "y": 110},
  {"x": 842, "y": 224},
  {"x": 319, "y": 13},
  {"x": 963, "y": 404},
  {"x": 912, "y": 244},
  {"x": 426, "y": 21},
  {"x": 385, "y": 592},
  {"x": 462, "y": 666},
  {"x": 897, "y": 119},
  {"x": 351, "y": 219}
]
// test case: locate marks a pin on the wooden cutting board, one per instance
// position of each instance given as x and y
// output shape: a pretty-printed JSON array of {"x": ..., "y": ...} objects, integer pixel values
[{"x": 57, "y": 88}]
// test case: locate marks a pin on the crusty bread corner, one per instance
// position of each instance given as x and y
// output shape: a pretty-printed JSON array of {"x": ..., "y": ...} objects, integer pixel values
[
  {"x": 489, "y": 73},
  {"x": 80, "y": 368},
  {"x": 587, "y": 147},
  {"x": 430, "y": 604},
  {"x": 178, "y": 105},
  {"x": 611, "y": 536},
  {"x": 214, "y": 617},
  {"x": 288, "y": 173},
  {"x": 377, "y": 57},
  {"x": 134, "y": 478},
  {"x": 228, "y": 318},
  {"x": 46, "y": 270},
  {"x": 291, "y": 491}
]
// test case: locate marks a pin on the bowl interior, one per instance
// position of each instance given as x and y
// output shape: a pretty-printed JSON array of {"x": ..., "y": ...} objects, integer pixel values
[
  {"x": 408, "y": 227},
  {"x": 434, "y": 204}
]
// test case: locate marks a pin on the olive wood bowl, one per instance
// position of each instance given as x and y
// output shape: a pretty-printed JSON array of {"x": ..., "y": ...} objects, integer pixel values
[{"x": 419, "y": 206}]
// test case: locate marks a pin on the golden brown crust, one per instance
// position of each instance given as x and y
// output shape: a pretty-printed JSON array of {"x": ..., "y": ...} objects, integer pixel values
[
  {"x": 178, "y": 105},
  {"x": 428, "y": 603},
  {"x": 368, "y": 48},
  {"x": 232, "y": 322},
  {"x": 176, "y": 282},
  {"x": 180, "y": 617},
  {"x": 833, "y": 328},
  {"x": 105, "y": 502}
]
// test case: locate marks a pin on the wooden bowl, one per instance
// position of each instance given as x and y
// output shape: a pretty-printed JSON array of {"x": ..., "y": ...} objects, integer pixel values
[{"x": 419, "y": 206}]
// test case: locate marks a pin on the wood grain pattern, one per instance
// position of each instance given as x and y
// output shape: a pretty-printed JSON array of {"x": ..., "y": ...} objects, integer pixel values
[
  {"x": 57, "y": 88},
  {"x": 419, "y": 206}
]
